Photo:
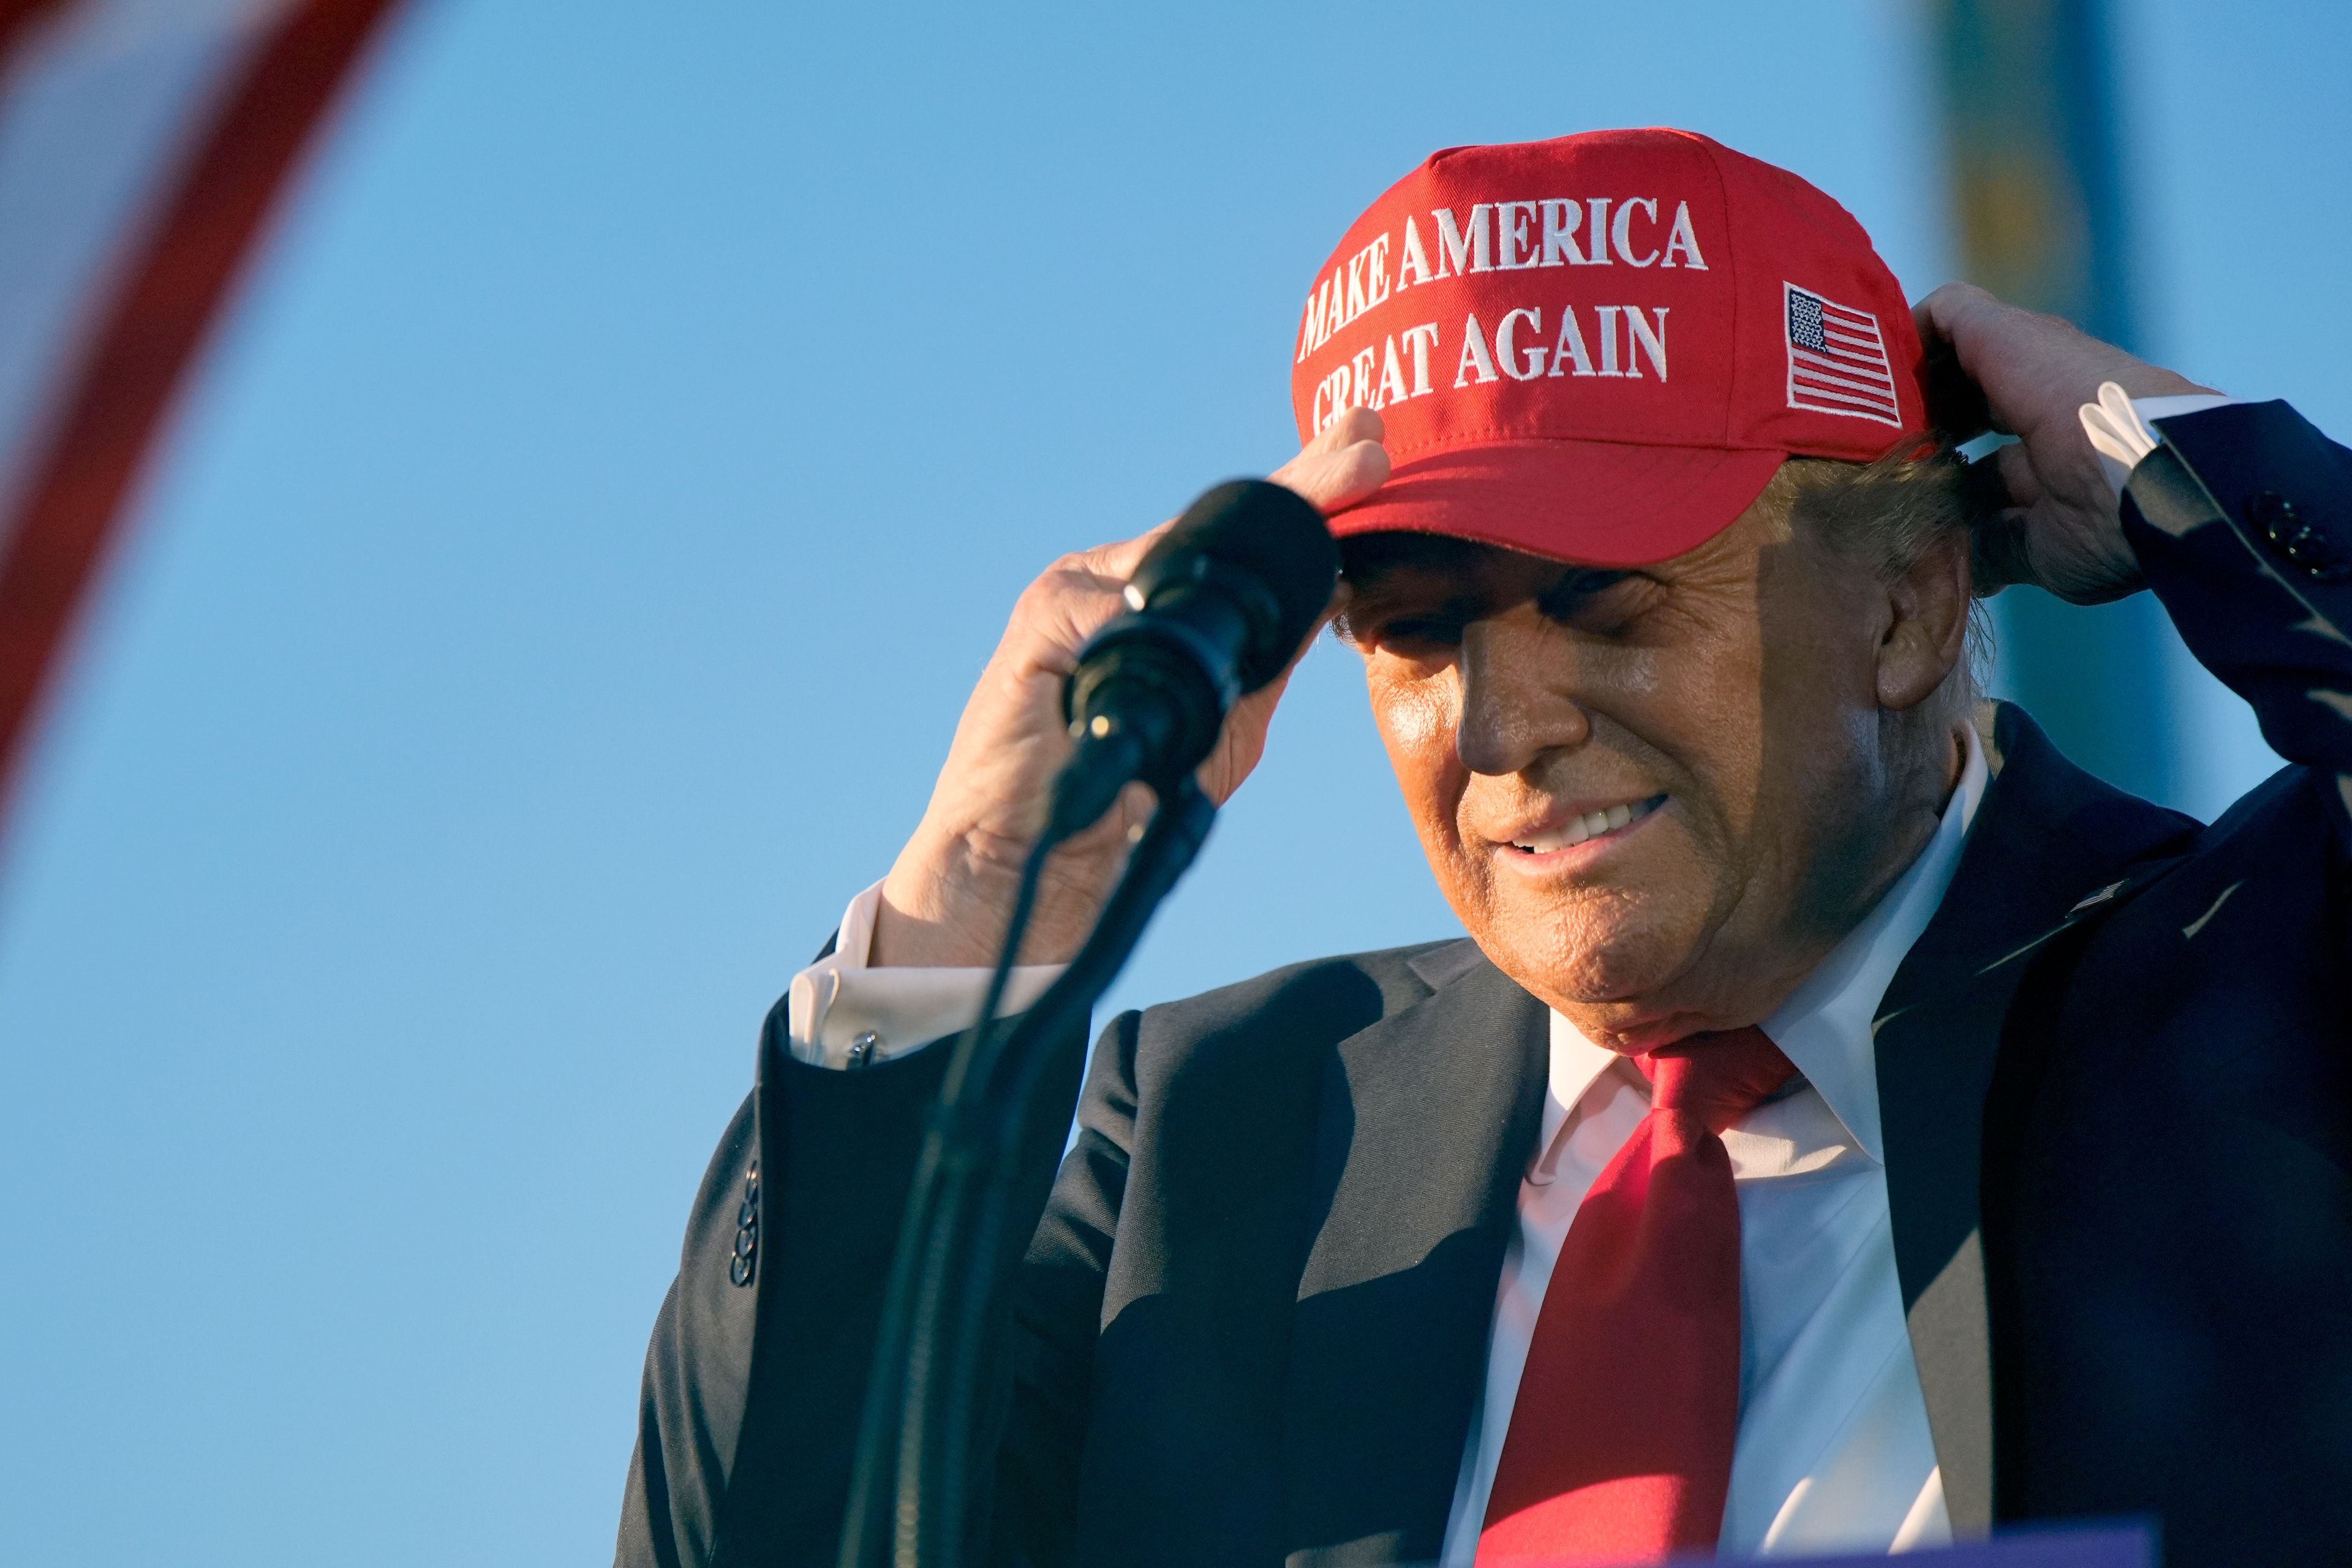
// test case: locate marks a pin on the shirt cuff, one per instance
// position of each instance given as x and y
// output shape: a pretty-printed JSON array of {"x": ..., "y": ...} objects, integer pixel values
[
  {"x": 2118, "y": 426},
  {"x": 840, "y": 1014}
]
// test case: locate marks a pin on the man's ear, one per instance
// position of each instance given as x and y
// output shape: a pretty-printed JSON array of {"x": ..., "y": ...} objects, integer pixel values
[{"x": 1927, "y": 632}]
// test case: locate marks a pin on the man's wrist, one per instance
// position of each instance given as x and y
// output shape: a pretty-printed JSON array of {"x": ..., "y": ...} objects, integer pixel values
[
  {"x": 921, "y": 924},
  {"x": 2121, "y": 426},
  {"x": 844, "y": 1012},
  {"x": 947, "y": 908}
]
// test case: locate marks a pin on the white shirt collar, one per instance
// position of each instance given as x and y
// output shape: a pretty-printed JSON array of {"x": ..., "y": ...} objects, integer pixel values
[{"x": 1825, "y": 1027}]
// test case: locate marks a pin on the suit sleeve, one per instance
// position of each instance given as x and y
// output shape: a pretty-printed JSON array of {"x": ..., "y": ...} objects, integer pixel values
[
  {"x": 2243, "y": 519},
  {"x": 758, "y": 1366}
]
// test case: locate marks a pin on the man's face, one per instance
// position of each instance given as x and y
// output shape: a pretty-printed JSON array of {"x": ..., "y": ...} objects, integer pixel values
[{"x": 1655, "y": 796}]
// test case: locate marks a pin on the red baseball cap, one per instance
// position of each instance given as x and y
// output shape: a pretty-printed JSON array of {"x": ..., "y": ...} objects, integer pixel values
[{"x": 1599, "y": 348}]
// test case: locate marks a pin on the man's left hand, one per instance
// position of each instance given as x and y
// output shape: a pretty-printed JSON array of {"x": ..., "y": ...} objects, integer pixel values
[{"x": 1992, "y": 366}]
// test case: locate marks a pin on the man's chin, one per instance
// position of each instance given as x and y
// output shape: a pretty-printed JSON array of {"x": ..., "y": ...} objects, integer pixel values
[{"x": 1615, "y": 981}]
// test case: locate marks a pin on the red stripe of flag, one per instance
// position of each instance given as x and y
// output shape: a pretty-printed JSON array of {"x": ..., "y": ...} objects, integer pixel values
[
  {"x": 15, "y": 15},
  {"x": 157, "y": 321}
]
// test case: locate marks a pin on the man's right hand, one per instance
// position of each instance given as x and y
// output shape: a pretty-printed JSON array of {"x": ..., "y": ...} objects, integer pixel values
[{"x": 947, "y": 897}]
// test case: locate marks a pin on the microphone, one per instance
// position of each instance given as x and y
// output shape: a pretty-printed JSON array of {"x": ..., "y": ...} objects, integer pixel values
[{"x": 1214, "y": 612}]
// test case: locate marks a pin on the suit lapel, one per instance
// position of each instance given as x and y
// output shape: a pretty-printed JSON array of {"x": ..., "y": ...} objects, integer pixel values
[
  {"x": 2052, "y": 849},
  {"x": 1424, "y": 1126}
]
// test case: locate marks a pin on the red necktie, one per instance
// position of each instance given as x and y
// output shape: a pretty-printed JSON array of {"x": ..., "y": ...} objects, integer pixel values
[{"x": 1620, "y": 1443}]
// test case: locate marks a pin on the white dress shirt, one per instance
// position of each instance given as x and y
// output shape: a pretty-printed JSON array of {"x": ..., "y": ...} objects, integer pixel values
[{"x": 840, "y": 1014}]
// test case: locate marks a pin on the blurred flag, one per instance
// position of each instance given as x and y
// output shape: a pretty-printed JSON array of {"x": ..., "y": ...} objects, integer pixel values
[{"x": 142, "y": 143}]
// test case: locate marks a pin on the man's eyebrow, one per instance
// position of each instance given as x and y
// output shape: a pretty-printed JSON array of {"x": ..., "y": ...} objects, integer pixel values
[
  {"x": 1380, "y": 580},
  {"x": 1391, "y": 577},
  {"x": 1369, "y": 557},
  {"x": 1578, "y": 581},
  {"x": 1415, "y": 588}
]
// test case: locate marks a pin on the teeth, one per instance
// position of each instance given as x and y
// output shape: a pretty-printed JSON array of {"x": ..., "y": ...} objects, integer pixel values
[{"x": 1591, "y": 825}]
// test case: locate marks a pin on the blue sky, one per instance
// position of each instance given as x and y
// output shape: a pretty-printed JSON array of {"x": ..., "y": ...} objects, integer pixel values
[{"x": 553, "y": 599}]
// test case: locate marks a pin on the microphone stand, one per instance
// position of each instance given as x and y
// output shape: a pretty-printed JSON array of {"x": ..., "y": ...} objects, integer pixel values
[{"x": 935, "y": 1350}]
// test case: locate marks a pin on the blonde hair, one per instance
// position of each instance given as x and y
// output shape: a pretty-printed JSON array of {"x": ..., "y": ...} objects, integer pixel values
[{"x": 1888, "y": 515}]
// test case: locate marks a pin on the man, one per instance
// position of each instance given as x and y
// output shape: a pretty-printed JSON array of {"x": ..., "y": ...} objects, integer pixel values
[{"x": 1848, "y": 1126}]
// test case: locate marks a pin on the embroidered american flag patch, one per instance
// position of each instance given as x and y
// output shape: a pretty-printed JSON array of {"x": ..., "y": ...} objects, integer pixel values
[{"x": 1837, "y": 359}]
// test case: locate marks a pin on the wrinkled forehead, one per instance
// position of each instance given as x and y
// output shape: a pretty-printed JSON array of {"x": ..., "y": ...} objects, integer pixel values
[
  {"x": 1365, "y": 557},
  {"x": 1389, "y": 572},
  {"x": 1387, "y": 557}
]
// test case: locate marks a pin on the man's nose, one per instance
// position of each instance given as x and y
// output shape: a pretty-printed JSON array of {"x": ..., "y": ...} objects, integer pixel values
[{"x": 1517, "y": 680}]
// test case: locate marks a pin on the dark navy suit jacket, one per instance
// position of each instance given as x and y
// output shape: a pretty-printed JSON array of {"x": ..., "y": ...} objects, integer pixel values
[{"x": 2116, "y": 1080}]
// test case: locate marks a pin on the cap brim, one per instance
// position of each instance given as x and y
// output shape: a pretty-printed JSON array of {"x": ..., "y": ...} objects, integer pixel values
[{"x": 1595, "y": 503}]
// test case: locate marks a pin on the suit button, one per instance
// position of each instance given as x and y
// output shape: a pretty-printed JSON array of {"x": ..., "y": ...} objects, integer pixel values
[
  {"x": 747, "y": 1252},
  {"x": 2295, "y": 541},
  {"x": 747, "y": 1229}
]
